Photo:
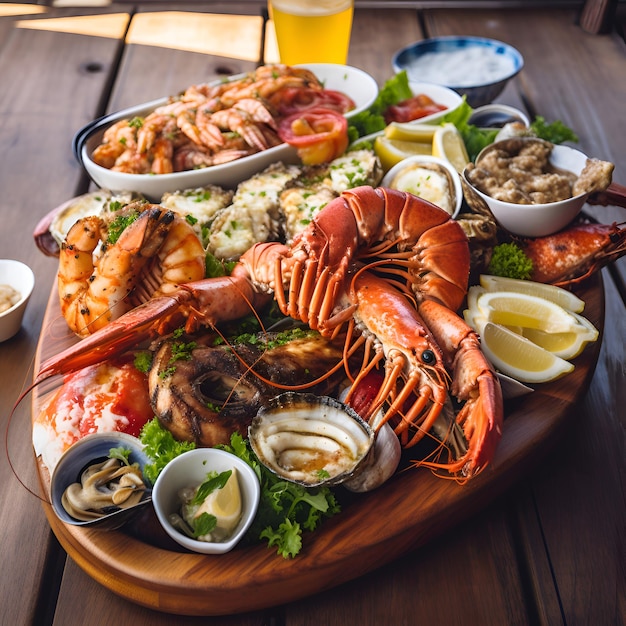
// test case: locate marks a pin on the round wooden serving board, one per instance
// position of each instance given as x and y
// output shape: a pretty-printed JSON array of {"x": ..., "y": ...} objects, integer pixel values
[{"x": 408, "y": 511}]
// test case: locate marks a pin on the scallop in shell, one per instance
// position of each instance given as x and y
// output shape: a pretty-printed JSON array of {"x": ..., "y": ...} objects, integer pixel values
[{"x": 310, "y": 440}]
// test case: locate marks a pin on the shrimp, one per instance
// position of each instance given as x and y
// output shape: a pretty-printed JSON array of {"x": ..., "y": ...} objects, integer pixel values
[
  {"x": 153, "y": 255},
  {"x": 191, "y": 157},
  {"x": 250, "y": 119},
  {"x": 117, "y": 139}
]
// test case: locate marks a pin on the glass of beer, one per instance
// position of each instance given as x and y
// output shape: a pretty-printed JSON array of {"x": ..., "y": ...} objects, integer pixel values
[{"x": 312, "y": 31}]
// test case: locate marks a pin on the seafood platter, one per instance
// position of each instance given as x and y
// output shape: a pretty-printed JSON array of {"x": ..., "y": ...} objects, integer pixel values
[{"x": 348, "y": 345}]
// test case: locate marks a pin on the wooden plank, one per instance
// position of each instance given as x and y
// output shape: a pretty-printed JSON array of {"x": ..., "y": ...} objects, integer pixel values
[
  {"x": 579, "y": 492},
  {"x": 176, "y": 69},
  {"x": 41, "y": 103},
  {"x": 376, "y": 34}
]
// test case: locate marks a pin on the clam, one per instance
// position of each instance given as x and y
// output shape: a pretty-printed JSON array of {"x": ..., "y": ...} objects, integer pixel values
[
  {"x": 381, "y": 463},
  {"x": 310, "y": 440}
]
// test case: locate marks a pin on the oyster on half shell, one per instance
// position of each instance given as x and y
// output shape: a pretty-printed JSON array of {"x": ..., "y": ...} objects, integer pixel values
[
  {"x": 311, "y": 440},
  {"x": 430, "y": 178}
]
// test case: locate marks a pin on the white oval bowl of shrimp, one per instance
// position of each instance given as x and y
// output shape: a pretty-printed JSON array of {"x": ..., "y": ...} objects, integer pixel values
[{"x": 353, "y": 82}]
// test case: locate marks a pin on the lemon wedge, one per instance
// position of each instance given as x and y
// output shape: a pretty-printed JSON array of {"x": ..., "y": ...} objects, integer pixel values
[
  {"x": 510, "y": 308},
  {"x": 391, "y": 151},
  {"x": 519, "y": 357},
  {"x": 558, "y": 295},
  {"x": 565, "y": 344},
  {"x": 404, "y": 131},
  {"x": 448, "y": 144},
  {"x": 225, "y": 504}
]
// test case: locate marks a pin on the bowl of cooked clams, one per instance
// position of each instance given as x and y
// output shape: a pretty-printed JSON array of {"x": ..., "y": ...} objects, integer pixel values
[
  {"x": 99, "y": 482},
  {"x": 532, "y": 187}
]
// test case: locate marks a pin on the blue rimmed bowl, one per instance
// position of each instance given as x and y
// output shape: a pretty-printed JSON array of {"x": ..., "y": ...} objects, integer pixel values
[
  {"x": 476, "y": 67},
  {"x": 87, "y": 451}
]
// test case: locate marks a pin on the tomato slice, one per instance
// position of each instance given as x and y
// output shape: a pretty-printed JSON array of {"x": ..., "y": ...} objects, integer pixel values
[
  {"x": 319, "y": 134},
  {"x": 412, "y": 109},
  {"x": 296, "y": 99}
]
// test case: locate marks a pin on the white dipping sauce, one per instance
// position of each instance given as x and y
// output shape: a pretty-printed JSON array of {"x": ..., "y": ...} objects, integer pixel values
[{"x": 464, "y": 67}]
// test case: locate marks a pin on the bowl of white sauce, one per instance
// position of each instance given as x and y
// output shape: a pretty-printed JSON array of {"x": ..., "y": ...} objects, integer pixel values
[
  {"x": 476, "y": 67},
  {"x": 16, "y": 286}
]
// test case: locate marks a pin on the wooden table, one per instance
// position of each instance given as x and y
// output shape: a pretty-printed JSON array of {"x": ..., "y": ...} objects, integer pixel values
[{"x": 550, "y": 551}]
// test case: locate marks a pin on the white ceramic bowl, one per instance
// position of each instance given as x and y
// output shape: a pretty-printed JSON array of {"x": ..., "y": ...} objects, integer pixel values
[
  {"x": 476, "y": 67},
  {"x": 391, "y": 178},
  {"x": 190, "y": 470},
  {"x": 360, "y": 86},
  {"x": 19, "y": 276},
  {"x": 440, "y": 94},
  {"x": 537, "y": 220}
]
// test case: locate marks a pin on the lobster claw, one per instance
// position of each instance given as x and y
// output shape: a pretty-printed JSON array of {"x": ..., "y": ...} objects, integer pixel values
[{"x": 474, "y": 382}]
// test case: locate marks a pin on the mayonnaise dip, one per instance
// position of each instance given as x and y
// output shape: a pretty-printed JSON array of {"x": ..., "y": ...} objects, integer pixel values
[{"x": 464, "y": 67}]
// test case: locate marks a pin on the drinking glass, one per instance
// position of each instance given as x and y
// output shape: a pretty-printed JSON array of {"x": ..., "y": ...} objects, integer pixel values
[{"x": 312, "y": 31}]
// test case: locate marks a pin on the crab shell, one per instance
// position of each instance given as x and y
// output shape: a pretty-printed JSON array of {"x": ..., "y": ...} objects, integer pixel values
[{"x": 310, "y": 440}]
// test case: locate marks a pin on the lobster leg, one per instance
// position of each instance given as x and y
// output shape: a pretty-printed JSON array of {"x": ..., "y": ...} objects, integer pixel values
[{"x": 474, "y": 381}]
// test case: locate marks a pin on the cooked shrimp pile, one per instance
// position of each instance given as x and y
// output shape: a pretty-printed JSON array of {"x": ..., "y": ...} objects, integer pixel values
[{"x": 209, "y": 124}]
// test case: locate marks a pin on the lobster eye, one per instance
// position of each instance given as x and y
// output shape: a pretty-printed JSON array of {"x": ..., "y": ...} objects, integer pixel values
[{"x": 428, "y": 356}]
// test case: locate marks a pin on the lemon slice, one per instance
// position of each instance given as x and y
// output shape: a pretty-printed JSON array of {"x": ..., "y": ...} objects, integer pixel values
[
  {"x": 519, "y": 357},
  {"x": 559, "y": 296},
  {"x": 448, "y": 144},
  {"x": 565, "y": 345},
  {"x": 520, "y": 309},
  {"x": 225, "y": 504},
  {"x": 402, "y": 131},
  {"x": 390, "y": 151}
]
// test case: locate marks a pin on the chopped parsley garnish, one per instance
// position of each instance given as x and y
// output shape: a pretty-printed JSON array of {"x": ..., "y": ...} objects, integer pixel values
[
  {"x": 143, "y": 361},
  {"x": 180, "y": 351},
  {"x": 121, "y": 454},
  {"x": 119, "y": 224}
]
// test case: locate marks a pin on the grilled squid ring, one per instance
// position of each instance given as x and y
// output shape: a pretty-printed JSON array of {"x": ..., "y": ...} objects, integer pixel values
[{"x": 209, "y": 393}]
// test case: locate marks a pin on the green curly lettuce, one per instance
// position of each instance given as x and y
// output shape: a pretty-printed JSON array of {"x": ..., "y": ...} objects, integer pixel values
[
  {"x": 395, "y": 90},
  {"x": 161, "y": 447}
]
